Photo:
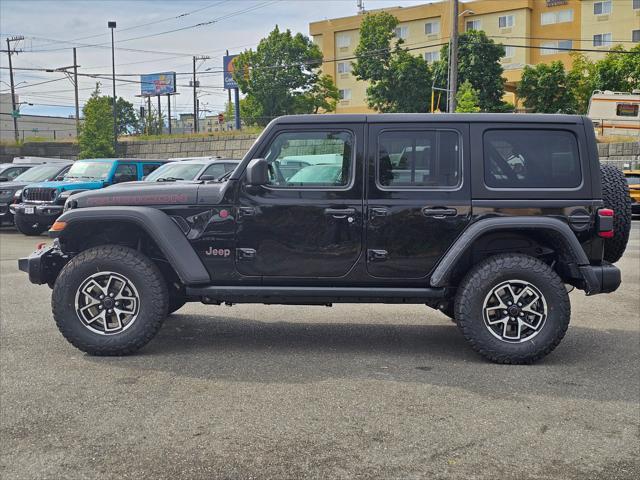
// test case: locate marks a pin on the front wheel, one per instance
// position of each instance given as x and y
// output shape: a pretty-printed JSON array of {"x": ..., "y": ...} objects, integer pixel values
[
  {"x": 109, "y": 300},
  {"x": 513, "y": 309}
]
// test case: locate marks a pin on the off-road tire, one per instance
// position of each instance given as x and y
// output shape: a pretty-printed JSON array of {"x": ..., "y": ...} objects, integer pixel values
[
  {"x": 615, "y": 194},
  {"x": 27, "y": 227},
  {"x": 142, "y": 272},
  {"x": 486, "y": 275}
]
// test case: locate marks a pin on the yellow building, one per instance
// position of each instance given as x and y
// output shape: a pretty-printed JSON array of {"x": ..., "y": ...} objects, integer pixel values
[{"x": 533, "y": 31}]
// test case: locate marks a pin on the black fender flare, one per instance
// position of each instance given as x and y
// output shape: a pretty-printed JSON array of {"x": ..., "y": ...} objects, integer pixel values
[
  {"x": 158, "y": 225},
  {"x": 442, "y": 272}
]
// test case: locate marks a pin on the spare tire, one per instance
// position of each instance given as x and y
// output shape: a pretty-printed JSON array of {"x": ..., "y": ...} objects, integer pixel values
[{"x": 615, "y": 195}]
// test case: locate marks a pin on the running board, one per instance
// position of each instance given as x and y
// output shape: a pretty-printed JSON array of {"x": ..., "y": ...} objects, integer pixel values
[{"x": 312, "y": 295}]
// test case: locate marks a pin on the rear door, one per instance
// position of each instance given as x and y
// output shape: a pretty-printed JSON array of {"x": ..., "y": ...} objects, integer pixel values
[{"x": 418, "y": 199}]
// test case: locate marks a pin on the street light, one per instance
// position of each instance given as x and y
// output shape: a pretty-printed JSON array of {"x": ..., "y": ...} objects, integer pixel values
[{"x": 112, "y": 26}]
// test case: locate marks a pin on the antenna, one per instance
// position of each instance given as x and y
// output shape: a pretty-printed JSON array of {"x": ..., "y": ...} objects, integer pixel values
[{"x": 360, "y": 6}]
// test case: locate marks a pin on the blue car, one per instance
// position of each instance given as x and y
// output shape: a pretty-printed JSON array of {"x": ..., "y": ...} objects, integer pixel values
[{"x": 42, "y": 203}]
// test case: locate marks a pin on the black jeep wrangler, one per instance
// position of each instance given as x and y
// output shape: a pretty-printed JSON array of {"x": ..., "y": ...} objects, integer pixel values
[{"x": 490, "y": 218}]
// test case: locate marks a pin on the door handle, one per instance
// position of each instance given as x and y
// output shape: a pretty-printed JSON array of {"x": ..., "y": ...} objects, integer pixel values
[
  {"x": 439, "y": 212},
  {"x": 378, "y": 212},
  {"x": 246, "y": 211},
  {"x": 339, "y": 212}
]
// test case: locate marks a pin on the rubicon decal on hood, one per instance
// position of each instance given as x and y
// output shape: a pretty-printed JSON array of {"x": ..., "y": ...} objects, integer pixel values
[{"x": 137, "y": 199}]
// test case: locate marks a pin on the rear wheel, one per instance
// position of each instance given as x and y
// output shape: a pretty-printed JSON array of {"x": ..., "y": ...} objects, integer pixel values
[
  {"x": 28, "y": 227},
  {"x": 512, "y": 308},
  {"x": 615, "y": 195},
  {"x": 109, "y": 300}
]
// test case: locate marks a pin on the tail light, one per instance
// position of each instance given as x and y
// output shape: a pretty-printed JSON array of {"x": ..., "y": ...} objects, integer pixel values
[{"x": 605, "y": 223}]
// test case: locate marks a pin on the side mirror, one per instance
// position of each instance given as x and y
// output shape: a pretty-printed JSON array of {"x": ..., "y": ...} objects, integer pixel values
[
  {"x": 4, "y": 179},
  {"x": 257, "y": 172},
  {"x": 207, "y": 178},
  {"x": 59, "y": 179}
]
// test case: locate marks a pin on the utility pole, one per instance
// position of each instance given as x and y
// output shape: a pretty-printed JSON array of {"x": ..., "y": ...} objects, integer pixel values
[
  {"x": 74, "y": 81},
  {"x": 453, "y": 57},
  {"x": 169, "y": 112},
  {"x": 112, "y": 26},
  {"x": 195, "y": 93},
  {"x": 14, "y": 112},
  {"x": 75, "y": 86}
]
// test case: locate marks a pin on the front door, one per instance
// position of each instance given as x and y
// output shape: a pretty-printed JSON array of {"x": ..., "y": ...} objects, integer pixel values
[
  {"x": 308, "y": 220},
  {"x": 418, "y": 201}
]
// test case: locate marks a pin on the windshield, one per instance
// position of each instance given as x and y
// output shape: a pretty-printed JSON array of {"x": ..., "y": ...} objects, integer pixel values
[
  {"x": 175, "y": 171},
  {"x": 38, "y": 174},
  {"x": 89, "y": 170}
]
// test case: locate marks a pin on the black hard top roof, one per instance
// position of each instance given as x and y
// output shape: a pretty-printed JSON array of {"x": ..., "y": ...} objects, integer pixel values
[{"x": 432, "y": 118}]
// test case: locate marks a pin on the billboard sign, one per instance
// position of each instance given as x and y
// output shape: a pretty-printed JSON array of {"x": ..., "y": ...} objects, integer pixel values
[
  {"x": 158, "y": 84},
  {"x": 228, "y": 69}
]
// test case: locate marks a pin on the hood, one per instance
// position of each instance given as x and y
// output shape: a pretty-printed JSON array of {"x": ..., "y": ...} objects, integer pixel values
[
  {"x": 13, "y": 185},
  {"x": 69, "y": 185},
  {"x": 146, "y": 193}
]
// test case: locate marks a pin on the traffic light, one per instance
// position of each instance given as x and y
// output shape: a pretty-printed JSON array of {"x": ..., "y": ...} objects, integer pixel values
[{"x": 221, "y": 118}]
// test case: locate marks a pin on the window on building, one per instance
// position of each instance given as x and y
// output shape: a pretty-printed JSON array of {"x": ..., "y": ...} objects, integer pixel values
[
  {"x": 635, "y": 35},
  {"x": 509, "y": 52},
  {"x": 602, "y": 8},
  {"x": 555, "y": 46},
  {"x": 531, "y": 159},
  {"x": 560, "y": 16},
  {"x": 429, "y": 158},
  {"x": 506, "y": 21},
  {"x": 432, "y": 56},
  {"x": 343, "y": 40},
  {"x": 344, "y": 67},
  {"x": 602, "y": 40},
  {"x": 432, "y": 27},
  {"x": 627, "y": 109},
  {"x": 473, "y": 25},
  {"x": 345, "y": 94},
  {"x": 401, "y": 32},
  {"x": 636, "y": 4}
]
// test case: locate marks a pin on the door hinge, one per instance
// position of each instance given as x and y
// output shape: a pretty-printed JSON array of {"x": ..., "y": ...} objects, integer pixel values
[
  {"x": 377, "y": 255},
  {"x": 245, "y": 253}
]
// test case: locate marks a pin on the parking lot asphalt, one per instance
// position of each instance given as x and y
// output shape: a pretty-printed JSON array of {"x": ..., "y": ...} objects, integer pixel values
[{"x": 353, "y": 391}]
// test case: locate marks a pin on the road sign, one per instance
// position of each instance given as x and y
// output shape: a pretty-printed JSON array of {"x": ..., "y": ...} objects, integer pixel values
[
  {"x": 228, "y": 69},
  {"x": 221, "y": 118}
]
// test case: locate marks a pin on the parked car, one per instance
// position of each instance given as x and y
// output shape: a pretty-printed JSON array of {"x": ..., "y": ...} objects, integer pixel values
[
  {"x": 42, "y": 203},
  {"x": 203, "y": 168},
  {"x": 424, "y": 209},
  {"x": 633, "y": 180},
  {"x": 19, "y": 165},
  {"x": 11, "y": 192}
]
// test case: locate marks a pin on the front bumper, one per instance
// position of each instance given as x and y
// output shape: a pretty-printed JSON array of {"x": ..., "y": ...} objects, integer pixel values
[
  {"x": 42, "y": 214},
  {"x": 44, "y": 264},
  {"x": 635, "y": 208}
]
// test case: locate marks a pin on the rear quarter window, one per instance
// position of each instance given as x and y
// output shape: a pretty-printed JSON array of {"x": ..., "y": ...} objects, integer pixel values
[{"x": 515, "y": 158}]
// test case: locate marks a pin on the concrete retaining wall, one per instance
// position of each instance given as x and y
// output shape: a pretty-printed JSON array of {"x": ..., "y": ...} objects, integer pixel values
[{"x": 623, "y": 155}]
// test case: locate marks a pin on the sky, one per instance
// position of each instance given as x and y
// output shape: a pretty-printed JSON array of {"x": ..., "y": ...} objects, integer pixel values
[{"x": 52, "y": 28}]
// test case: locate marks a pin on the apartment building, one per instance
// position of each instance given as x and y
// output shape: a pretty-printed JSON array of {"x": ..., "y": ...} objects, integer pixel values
[{"x": 533, "y": 31}]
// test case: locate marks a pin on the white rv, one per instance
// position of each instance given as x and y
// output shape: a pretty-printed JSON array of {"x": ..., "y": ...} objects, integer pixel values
[{"x": 615, "y": 113}]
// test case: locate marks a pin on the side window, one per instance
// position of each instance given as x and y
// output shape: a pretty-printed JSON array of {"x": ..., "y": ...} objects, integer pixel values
[
  {"x": 215, "y": 169},
  {"x": 311, "y": 159},
  {"x": 531, "y": 159},
  {"x": 125, "y": 172},
  {"x": 147, "y": 168},
  {"x": 419, "y": 159},
  {"x": 12, "y": 173}
]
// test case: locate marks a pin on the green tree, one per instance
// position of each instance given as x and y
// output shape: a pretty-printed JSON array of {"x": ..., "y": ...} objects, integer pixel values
[
  {"x": 478, "y": 63},
  {"x": 283, "y": 68},
  {"x": 323, "y": 96},
  {"x": 96, "y": 133},
  {"x": 467, "y": 99},
  {"x": 581, "y": 80},
  {"x": 545, "y": 89},
  {"x": 398, "y": 80},
  {"x": 128, "y": 121}
]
